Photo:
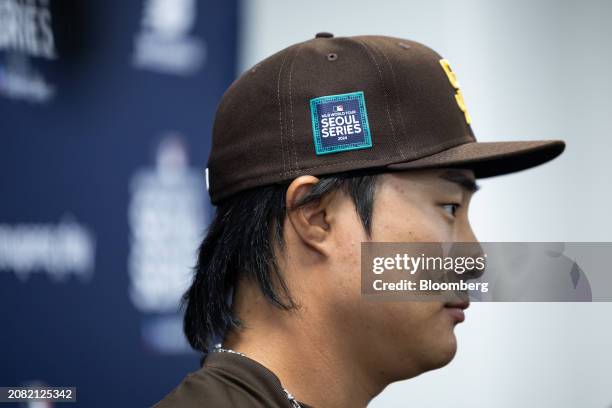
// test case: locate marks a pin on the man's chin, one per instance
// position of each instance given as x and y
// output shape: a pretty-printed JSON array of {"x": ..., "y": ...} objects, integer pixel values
[
  {"x": 442, "y": 354},
  {"x": 435, "y": 356}
]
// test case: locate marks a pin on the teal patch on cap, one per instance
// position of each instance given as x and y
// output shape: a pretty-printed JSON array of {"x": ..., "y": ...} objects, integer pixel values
[{"x": 340, "y": 122}]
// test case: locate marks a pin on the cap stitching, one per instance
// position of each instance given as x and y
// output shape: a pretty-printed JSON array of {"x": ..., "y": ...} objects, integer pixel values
[
  {"x": 280, "y": 113},
  {"x": 397, "y": 94},
  {"x": 291, "y": 106},
  {"x": 371, "y": 55}
]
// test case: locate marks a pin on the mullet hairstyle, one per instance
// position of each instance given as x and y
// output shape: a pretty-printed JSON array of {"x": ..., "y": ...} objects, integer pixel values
[{"x": 240, "y": 243}]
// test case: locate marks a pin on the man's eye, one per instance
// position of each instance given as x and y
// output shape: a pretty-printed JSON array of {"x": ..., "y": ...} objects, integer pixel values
[{"x": 451, "y": 208}]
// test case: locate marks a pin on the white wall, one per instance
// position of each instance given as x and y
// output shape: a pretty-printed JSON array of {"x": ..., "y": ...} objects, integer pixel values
[{"x": 528, "y": 70}]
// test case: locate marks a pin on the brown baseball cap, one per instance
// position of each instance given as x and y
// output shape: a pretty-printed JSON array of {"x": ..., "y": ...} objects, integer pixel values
[{"x": 330, "y": 105}]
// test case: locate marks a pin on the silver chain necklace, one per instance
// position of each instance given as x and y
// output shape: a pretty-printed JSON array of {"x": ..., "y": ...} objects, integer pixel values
[{"x": 218, "y": 348}]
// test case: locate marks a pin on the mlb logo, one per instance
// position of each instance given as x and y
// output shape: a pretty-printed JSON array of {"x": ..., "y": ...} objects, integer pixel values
[{"x": 338, "y": 108}]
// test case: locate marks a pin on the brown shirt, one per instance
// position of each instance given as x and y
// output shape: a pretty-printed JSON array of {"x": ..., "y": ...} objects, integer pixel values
[{"x": 228, "y": 380}]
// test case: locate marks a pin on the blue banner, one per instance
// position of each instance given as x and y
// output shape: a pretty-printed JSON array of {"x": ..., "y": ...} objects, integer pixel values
[{"x": 106, "y": 112}]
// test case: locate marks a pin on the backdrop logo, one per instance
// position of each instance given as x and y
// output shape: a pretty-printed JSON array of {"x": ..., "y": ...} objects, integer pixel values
[
  {"x": 58, "y": 250},
  {"x": 340, "y": 122},
  {"x": 166, "y": 217},
  {"x": 25, "y": 32},
  {"x": 164, "y": 43},
  {"x": 25, "y": 26}
]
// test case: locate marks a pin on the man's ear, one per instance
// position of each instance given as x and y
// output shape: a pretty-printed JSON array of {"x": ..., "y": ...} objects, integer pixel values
[{"x": 310, "y": 222}]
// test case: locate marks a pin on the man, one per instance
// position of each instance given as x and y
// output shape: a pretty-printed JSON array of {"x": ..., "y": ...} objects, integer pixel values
[{"x": 327, "y": 144}]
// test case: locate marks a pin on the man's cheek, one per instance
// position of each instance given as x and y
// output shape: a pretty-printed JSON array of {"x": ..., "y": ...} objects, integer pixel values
[
  {"x": 407, "y": 225},
  {"x": 430, "y": 225}
]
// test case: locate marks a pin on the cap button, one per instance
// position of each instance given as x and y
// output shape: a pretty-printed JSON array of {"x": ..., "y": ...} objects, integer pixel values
[{"x": 324, "y": 35}]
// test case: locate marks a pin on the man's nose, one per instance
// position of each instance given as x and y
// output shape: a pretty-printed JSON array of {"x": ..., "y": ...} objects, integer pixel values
[
  {"x": 468, "y": 247},
  {"x": 466, "y": 234}
]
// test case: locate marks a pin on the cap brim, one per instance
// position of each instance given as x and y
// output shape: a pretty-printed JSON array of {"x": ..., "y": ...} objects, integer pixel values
[{"x": 489, "y": 159}]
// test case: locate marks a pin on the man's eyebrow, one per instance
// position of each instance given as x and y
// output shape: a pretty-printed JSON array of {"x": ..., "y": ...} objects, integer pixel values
[{"x": 466, "y": 182}]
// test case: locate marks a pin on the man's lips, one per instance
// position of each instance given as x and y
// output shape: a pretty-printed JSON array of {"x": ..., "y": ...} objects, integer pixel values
[{"x": 455, "y": 309}]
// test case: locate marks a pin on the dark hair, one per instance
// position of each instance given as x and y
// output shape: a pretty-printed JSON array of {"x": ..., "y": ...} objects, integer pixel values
[{"x": 240, "y": 243}]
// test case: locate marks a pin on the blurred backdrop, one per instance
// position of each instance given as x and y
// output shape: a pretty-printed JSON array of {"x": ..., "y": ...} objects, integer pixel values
[{"x": 106, "y": 113}]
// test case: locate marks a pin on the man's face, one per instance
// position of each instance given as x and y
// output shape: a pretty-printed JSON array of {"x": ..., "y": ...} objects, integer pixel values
[{"x": 400, "y": 339}]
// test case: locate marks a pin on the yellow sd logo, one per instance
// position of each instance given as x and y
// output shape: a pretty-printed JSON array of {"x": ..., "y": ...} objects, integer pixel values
[{"x": 458, "y": 95}]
